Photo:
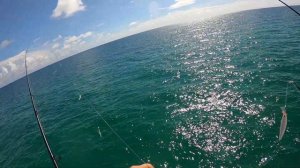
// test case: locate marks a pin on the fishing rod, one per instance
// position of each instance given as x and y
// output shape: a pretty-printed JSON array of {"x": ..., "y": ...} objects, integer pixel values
[
  {"x": 289, "y": 7},
  {"x": 36, "y": 113}
]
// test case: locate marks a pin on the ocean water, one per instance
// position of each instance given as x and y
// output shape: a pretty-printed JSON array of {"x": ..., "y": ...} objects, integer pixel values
[{"x": 201, "y": 95}]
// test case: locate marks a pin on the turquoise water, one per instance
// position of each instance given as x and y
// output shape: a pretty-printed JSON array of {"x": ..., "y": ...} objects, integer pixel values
[{"x": 200, "y": 95}]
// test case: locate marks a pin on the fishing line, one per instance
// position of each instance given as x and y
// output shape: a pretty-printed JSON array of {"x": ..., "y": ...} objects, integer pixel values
[
  {"x": 286, "y": 94},
  {"x": 290, "y": 7},
  {"x": 114, "y": 132},
  {"x": 36, "y": 113},
  {"x": 297, "y": 86},
  {"x": 121, "y": 139}
]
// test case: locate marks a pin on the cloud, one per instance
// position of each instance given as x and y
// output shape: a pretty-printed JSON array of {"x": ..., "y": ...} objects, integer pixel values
[
  {"x": 133, "y": 23},
  {"x": 181, "y": 3},
  {"x": 67, "y": 8},
  {"x": 50, "y": 52},
  {"x": 5, "y": 43},
  {"x": 9, "y": 69},
  {"x": 55, "y": 45},
  {"x": 76, "y": 40},
  {"x": 5, "y": 71},
  {"x": 57, "y": 38},
  {"x": 198, "y": 14}
]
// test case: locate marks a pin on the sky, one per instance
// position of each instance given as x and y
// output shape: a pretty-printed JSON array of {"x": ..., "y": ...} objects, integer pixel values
[{"x": 56, "y": 29}]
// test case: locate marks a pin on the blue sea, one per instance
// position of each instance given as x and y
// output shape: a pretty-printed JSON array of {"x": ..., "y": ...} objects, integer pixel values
[{"x": 206, "y": 94}]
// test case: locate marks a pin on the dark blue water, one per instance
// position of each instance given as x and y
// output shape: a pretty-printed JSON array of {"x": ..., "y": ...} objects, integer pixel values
[{"x": 201, "y": 95}]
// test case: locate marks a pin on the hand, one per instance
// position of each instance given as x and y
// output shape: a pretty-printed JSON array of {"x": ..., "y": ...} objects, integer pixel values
[{"x": 146, "y": 165}]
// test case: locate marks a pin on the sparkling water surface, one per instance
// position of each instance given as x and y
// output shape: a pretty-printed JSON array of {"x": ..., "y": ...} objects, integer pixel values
[{"x": 200, "y": 95}]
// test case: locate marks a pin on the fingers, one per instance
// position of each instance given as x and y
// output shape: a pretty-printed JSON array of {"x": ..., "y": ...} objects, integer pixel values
[{"x": 146, "y": 165}]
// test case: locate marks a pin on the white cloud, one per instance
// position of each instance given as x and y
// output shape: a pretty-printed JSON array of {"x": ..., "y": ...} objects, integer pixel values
[
  {"x": 55, "y": 45},
  {"x": 50, "y": 52},
  {"x": 75, "y": 40},
  {"x": 133, "y": 23},
  {"x": 67, "y": 8},
  {"x": 12, "y": 66},
  {"x": 5, "y": 71},
  {"x": 5, "y": 43},
  {"x": 181, "y": 3},
  {"x": 85, "y": 35},
  {"x": 57, "y": 38},
  {"x": 9, "y": 69},
  {"x": 62, "y": 47}
]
